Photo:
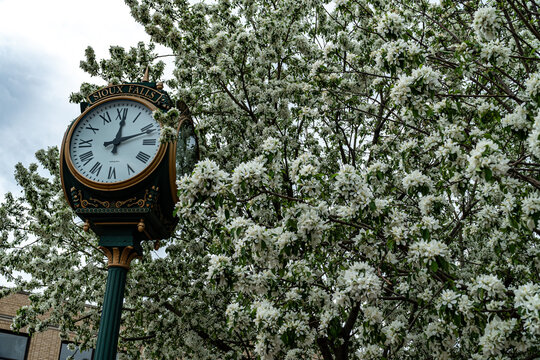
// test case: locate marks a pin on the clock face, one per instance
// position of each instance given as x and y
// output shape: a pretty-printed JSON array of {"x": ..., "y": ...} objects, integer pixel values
[{"x": 114, "y": 141}]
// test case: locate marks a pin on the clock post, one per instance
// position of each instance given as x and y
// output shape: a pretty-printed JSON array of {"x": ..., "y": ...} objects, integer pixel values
[
  {"x": 121, "y": 181},
  {"x": 119, "y": 261}
]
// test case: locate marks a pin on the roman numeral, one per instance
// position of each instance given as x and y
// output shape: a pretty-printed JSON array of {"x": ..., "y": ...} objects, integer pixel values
[
  {"x": 147, "y": 127},
  {"x": 143, "y": 157},
  {"x": 89, "y": 127},
  {"x": 149, "y": 142},
  {"x": 112, "y": 173},
  {"x": 86, "y": 157},
  {"x": 130, "y": 170},
  {"x": 96, "y": 168},
  {"x": 136, "y": 117},
  {"x": 85, "y": 143},
  {"x": 121, "y": 114},
  {"x": 107, "y": 119}
]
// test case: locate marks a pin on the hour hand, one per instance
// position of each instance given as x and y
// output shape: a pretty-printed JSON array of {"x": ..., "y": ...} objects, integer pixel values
[{"x": 118, "y": 135}]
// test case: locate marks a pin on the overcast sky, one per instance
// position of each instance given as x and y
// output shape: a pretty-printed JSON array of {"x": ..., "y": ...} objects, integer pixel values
[{"x": 41, "y": 45}]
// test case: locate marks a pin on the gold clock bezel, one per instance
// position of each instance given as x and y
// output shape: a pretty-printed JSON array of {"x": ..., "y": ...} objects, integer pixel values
[{"x": 119, "y": 185}]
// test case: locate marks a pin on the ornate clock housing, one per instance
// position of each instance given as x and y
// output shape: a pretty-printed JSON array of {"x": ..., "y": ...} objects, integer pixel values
[
  {"x": 114, "y": 144},
  {"x": 116, "y": 174}
]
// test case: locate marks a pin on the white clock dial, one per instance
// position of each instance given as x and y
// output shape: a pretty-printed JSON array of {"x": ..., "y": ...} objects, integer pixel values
[{"x": 114, "y": 141}]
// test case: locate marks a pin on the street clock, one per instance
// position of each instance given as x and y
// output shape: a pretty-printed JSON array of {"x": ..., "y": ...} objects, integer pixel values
[{"x": 116, "y": 174}]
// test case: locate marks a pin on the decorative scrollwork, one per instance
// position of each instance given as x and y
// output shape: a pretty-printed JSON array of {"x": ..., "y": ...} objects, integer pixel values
[
  {"x": 147, "y": 201},
  {"x": 93, "y": 202},
  {"x": 128, "y": 203}
]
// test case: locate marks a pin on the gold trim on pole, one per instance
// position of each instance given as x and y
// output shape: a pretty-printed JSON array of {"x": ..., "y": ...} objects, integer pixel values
[{"x": 120, "y": 258}]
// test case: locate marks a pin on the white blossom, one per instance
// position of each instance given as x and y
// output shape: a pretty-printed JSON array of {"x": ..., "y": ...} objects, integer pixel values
[
  {"x": 516, "y": 120},
  {"x": 495, "y": 52},
  {"x": 415, "y": 179},
  {"x": 527, "y": 298},
  {"x": 495, "y": 336},
  {"x": 487, "y": 155},
  {"x": 392, "y": 331},
  {"x": 533, "y": 140},
  {"x": 449, "y": 298},
  {"x": 486, "y": 23},
  {"x": 428, "y": 249},
  {"x": 360, "y": 282},
  {"x": 251, "y": 171},
  {"x": 532, "y": 86},
  {"x": 390, "y": 24},
  {"x": 491, "y": 284},
  {"x": 423, "y": 80}
]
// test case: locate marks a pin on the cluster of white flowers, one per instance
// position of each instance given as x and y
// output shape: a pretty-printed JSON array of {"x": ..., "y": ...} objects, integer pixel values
[
  {"x": 428, "y": 249},
  {"x": 533, "y": 140},
  {"x": 206, "y": 180},
  {"x": 449, "y": 298},
  {"x": 310, "y": 224},
  {"x": 531, "y": 205},
  {"x": 390, "y": 24},
  {"x": 251, "y": 172},
  {"x": 360, "y": 282},
  {"x": 351, "y": 185},
  {"x": 483, "y": 106},
  {"x": 398, "y": 227},
  {"x": 217, "y": 264},
  {"x": 284, "y": 239},
  {"x": 167, "y": 134},
  {"x": 305, "y": 165},
  {"x": 517, "y": 120},
  {"x": 495, "y": 337},
  {"x": 315, "y": 67},
  {"x": 370, "y": 351},
  {"x": 527, "y": 299},
  {"x": 532, "y": 86},
  {"x": 486, "y": 23},
  {"x": 415, "y": 179},
  {"x": 373, "y": 315},
  {"x": 495, "y": 52},
  {"x": 486, "y": 154},
  {"x": 434, "y": 328},
  {"x": 265, "y": 313},
  {"x": 303, "y": 172},
  {"x": 270, "y": 145},
  {"x": 232, "y": 310},
  {"x": 392, "y": 331},
  {"x": 490, "y": 284},
  {"x": 256, "y": 239},
  {"x": 423, "y": 80},
  {"x": 447, "y": 148},
  {"x": 392, "y": 53}
]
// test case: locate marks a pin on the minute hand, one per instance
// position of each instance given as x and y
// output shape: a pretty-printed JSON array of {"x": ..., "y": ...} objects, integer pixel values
[{"x": 124, "y": 138}]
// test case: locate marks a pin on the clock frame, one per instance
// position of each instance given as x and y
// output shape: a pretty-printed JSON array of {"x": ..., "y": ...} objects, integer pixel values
[
  {"x": 143, "y": 205},
  {"x": 112, "y": 186}
]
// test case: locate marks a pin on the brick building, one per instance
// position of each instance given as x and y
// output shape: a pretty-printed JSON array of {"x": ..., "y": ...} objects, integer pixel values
[{"x": 45, "y": 345}]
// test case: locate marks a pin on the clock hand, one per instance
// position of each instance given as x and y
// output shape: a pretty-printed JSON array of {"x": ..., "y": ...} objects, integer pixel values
[
  {"x": 118, "y": 135},
  {"x": 124, "y": 138}
]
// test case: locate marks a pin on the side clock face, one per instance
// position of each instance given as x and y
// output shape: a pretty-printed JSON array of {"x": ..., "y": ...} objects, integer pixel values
[{"x": 114, "y": 141}]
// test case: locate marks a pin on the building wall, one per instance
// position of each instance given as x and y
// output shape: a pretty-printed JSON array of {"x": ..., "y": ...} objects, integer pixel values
[{"x": 43, "y": 345}]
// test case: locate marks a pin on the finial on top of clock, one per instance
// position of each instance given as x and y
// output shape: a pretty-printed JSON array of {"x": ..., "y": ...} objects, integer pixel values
[{"x": 146, "y": 77}]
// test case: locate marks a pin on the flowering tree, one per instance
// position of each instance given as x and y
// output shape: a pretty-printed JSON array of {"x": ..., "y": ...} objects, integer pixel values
[{"x": 368, "y": 187}]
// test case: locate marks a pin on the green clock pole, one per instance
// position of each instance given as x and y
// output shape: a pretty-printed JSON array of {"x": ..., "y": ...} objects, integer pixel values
[{"x": 120, "y": 258}]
